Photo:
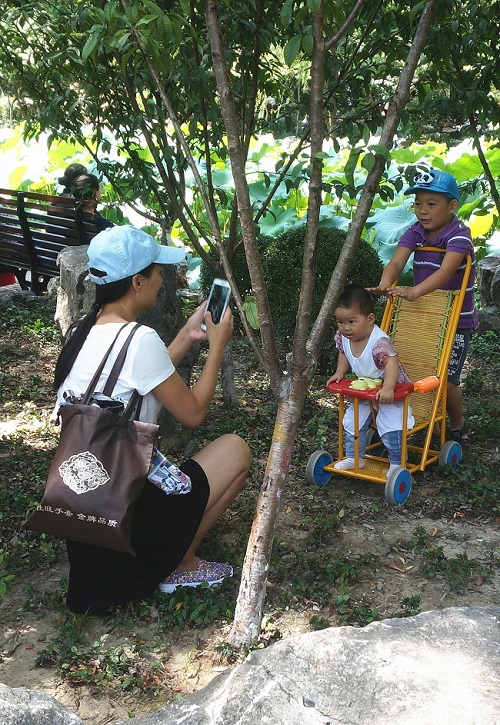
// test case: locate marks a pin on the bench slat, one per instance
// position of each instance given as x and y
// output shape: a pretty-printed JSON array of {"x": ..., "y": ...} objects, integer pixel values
[{"x": 35, "y": 228}]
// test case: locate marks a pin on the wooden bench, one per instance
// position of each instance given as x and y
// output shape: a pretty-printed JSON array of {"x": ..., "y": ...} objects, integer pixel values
[{"x": 34, "y": 228}]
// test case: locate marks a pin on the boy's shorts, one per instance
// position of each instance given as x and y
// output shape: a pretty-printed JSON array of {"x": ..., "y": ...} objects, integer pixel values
[{"x": 458, "y": 355}]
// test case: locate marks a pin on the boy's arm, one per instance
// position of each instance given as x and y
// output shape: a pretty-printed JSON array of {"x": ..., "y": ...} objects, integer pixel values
[
  {"x": 342, "y": 369},
  {"x": 451, "y": 262},
  {"x": 392, "y": 270}
]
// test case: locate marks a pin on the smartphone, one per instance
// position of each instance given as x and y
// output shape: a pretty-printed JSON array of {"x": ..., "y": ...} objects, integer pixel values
[{"x": 218, "y": 300}]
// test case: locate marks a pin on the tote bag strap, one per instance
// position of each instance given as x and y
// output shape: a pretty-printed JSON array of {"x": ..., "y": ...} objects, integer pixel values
[
  {"x": 135, "y": 402},
  {"x": 91, "y": 389},
  {"x": 115, "y": 370}
]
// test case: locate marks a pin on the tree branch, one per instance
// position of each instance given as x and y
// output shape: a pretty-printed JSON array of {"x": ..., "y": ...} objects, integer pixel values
[
  {"x": 396, "y": 106},
  {"x": 340, "y": 32}
]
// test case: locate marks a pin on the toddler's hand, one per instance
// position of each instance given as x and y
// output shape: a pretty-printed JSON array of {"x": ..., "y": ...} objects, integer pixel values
[
  {"x": 385, "y": 395},
  {"x": 336, "y": 378}
]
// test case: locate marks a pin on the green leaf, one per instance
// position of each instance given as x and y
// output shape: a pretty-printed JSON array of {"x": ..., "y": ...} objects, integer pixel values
[
  {"x": 390, "y": 223},
  {"x": 91, "y": 43},
  {"x": 250, "y": 312},
  {"x": 380, "y": 149},
  {"x": 307, "y": 44},
  {"x": 313, "y": 5},
  {"x": 273, "y": 224},
  {"x": 286, "y": 13},
  {"x": 416, "y": 10},
  {"x": 368, "y": 162},
  {"x": 292, "y": 49},
  {"x": 109, "y": 10},
  {"x": 351, "y": 164}
]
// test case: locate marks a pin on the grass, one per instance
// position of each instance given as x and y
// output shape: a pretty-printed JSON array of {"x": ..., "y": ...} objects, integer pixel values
[{"x": 308, "y": 573}]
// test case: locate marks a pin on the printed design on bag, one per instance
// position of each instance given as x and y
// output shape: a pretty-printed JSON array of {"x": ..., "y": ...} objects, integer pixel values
[
  {"x": 88, "y": 518},
  {"x": 166, "y": 476},
  {"x": 83, "y": 472}
]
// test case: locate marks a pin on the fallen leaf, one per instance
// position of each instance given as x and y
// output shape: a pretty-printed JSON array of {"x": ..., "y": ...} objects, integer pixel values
[{"x": 389, "y": 565}]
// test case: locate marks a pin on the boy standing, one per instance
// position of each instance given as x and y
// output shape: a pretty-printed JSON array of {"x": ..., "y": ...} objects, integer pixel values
[{"x": 436, "y": 201}]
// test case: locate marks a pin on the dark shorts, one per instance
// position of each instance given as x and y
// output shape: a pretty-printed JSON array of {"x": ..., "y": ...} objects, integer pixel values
[
  {"x": 163, "y": 528},
  {"x": 458, "y": 355}
]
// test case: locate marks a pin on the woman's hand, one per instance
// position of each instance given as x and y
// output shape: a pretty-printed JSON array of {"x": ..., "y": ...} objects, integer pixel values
[
  {"x": 192, "y": 327},
  {"x": 219, "y": 334}
]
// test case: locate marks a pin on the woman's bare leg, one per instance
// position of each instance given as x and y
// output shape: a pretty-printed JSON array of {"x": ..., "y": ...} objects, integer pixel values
[{"x": 226, "y": 462}]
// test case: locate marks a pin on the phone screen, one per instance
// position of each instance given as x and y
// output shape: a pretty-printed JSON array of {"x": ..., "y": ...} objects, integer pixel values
[{"x": 218, "y": 301}]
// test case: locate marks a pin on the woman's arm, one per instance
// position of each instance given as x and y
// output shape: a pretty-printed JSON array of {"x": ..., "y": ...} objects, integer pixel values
[
  {"x": 188, "y": 335},
  {"x": 190, "y": 405}
]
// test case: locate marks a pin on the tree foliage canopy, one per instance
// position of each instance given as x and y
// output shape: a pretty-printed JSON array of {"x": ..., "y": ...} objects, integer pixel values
[{"x": 102, "y": 67}]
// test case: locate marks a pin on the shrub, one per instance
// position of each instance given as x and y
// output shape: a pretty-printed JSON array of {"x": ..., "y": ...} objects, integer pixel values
[
  {"x": 282, "y": 265},
  {"x": 283, "y": 272}
]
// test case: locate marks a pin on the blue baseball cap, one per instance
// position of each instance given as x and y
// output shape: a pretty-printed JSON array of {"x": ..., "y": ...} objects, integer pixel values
[
  {"x": 434, "y": 180},
  {"x": 123, "y": 251}
]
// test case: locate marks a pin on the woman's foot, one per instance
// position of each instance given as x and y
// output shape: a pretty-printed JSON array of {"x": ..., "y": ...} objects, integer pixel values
[{"x": 211, "y": 573}]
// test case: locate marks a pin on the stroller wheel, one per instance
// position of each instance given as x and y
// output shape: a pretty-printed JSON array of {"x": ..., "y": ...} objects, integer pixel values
[
  {"x": 450, "y": 454},
  {"x": 398, "y": 486},
  {"x": 315, "y": 472}
]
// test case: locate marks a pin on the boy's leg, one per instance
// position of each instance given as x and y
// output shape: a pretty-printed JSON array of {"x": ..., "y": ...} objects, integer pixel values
[
  {"x": 455, "y": 406},
  {"x": 455, "y": 399}
]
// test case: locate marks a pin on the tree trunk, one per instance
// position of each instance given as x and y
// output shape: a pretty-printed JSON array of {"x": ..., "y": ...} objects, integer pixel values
[
  {"x": 252, "y": 592},
  {"x": 229, "y": 393},
  {"x": 251, "y": 596}
]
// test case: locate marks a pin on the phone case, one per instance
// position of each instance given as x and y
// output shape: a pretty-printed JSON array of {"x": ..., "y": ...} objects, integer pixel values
[{"x": 218, "y": 299}]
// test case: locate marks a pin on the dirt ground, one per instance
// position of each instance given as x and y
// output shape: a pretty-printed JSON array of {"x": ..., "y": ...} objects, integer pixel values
[
  {"x": 194, "y": 660},
  {"x": 362, "y": 526}
]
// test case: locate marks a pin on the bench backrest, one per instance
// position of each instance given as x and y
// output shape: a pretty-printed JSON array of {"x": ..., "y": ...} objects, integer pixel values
[{"x": 34, "y": 228}]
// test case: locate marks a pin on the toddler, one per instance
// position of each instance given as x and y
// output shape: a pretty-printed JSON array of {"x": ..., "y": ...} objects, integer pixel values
[{"x": 367, "y": 351}]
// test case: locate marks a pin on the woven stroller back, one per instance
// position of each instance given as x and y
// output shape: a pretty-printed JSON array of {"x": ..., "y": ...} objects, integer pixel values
[{"x": 419, "y": 333}]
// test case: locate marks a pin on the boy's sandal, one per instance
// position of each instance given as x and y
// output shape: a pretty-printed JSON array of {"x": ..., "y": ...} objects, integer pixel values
[{"x": 460, "y": 436}]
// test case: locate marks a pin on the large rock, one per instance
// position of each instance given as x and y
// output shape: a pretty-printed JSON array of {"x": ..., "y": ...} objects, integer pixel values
[
  {"x": 75, "y": 292},
  {"x": 440, "y": 668},
  {"x": 488, "y": 281},
  {"x": 20, "y": 706}
]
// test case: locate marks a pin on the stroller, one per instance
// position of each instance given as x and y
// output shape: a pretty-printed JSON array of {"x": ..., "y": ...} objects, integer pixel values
[{"x": 422, "y": 332}]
